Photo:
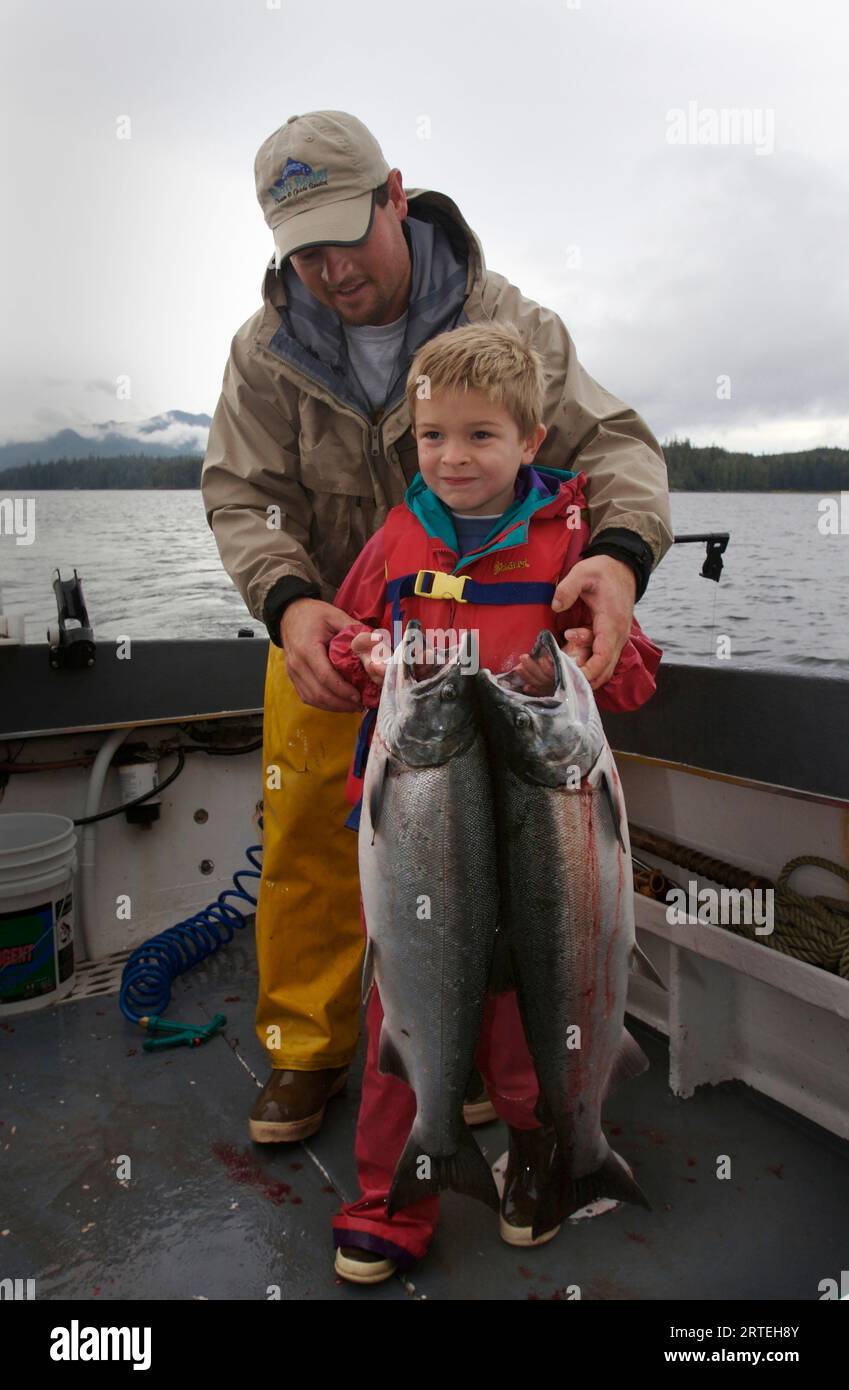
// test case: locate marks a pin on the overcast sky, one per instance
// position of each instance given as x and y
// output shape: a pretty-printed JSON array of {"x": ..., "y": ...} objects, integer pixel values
[{"x": 674, "y": 265}]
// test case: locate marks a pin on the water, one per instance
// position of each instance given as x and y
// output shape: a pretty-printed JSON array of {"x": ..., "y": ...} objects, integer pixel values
[
  {"x": 149, "y": 565},
  {"x": 782, "y": 597},
  {"x": 151, "y": 569}
]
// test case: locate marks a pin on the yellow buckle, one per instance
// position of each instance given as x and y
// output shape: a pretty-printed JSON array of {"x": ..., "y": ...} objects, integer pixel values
[{"x": 444, "y": 585}]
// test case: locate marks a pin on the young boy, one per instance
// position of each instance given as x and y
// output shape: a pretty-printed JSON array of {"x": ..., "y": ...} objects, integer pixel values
[{"x": 506, "y": 533}]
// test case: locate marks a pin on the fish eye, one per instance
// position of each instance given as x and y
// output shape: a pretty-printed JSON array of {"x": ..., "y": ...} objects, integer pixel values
[
  {"x": 448, "y": 692},
  {"x": 522, "y": 719}
]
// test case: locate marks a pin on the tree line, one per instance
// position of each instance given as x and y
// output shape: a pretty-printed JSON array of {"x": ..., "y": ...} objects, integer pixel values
[
  {"x": 691, "y": 469},
  {"x": 712, "y": 469},
  {"x": 120, "y": 473}
]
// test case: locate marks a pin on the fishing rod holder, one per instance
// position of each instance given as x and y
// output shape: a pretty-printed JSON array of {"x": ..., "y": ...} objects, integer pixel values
[
  {"x": 716, "y": 542},
  {"x": 71, "y": 643}
]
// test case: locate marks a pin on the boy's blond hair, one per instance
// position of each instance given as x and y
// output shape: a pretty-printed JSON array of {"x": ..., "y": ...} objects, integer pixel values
[{"x": 493, "y": 359}]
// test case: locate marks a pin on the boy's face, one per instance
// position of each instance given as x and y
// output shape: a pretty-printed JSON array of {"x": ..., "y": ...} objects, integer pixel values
[{"x": 470, "y": 451}]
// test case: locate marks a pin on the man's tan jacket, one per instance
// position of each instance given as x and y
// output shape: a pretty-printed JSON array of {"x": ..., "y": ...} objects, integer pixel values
[{"x": 298, "y": 473}]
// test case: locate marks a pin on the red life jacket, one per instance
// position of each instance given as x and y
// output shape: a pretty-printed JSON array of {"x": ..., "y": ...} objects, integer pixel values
[{"x": 503, "y": 590}]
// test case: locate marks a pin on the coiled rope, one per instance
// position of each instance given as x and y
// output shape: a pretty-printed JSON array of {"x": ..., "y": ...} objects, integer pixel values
[
  {"x": 812, "y": 928},
  {"x": 815, "y": 929}
]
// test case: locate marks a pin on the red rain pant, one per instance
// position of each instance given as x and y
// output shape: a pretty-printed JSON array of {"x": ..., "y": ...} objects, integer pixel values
[{"x": 387, "y": 1111}]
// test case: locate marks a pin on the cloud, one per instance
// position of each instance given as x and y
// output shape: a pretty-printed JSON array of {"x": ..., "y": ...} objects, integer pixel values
[
  {"x": 737, "y": 315},
  {"x": 62, "y": 419},
  {"x": 174, "y": 434},
  {"x": 697, "y": 262},
  {"x": 102, "y": 385},
  {"x": 779, "y": 436}
]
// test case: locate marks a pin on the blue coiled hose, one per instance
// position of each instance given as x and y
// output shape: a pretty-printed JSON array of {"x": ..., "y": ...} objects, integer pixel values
[{"x": 154, "y": 966}]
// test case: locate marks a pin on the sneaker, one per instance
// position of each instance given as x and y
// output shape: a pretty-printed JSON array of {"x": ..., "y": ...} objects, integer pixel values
[
  {"x": 363, "y": 1266},
  {"x": 528, "y": 1167},
  {"x": 291, "y": 1104},
  {"x": 478, "y": 1109}
]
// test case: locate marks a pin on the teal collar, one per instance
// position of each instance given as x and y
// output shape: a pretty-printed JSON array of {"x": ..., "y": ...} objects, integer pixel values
[{"x": 536, "y": 487}]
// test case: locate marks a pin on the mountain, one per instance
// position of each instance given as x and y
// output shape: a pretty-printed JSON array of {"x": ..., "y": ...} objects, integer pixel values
[{"x": 173, "y": 433}]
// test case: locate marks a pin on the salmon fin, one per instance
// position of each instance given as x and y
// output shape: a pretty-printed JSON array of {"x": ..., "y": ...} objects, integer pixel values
[
  {"x": 419, "y": 1175},
  {"x": 389, "y": 1060},
  {"x": 611, "y": 1180},
  {"x": 630, "y": 1061},
  {"x": 546, "y": 1213},
  {"x": 501, "y": 977},
  {"x": 368, "y": 970},
  {"x": 376, "y": 799},
  {"x": 542, "y": 1111},
  {"x": 641, "y": 965},
  {"x": 612, "y": 802}
]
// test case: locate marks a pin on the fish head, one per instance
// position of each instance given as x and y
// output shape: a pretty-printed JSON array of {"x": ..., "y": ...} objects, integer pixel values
[
  {"x": 424, "y": 720},
  {"x": 543, "y": 738}
]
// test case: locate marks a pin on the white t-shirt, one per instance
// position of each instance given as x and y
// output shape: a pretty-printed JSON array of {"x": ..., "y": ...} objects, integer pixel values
[{"x": 374, "y": 352}]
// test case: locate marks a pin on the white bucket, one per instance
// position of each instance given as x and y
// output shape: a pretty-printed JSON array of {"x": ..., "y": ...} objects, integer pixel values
[{"x": 37, "y": 865}]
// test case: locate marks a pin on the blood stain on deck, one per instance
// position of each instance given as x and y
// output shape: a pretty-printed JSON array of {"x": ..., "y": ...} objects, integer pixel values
[
  {"x": 243, "y": 1168},
  {"x": 655, "y": 1136}
]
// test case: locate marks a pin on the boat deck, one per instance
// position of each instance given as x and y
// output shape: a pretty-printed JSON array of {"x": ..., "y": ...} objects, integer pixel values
[{"x": 206, "y": 1214}]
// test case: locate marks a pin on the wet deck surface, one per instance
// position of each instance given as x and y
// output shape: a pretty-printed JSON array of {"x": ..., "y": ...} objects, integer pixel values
[{"x": 207, "y": 1214}]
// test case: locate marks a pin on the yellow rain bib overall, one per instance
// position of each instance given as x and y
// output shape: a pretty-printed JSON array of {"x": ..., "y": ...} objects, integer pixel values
[{"x": 308, "y": 935}]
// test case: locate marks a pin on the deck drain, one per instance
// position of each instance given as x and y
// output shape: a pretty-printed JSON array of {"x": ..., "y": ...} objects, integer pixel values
[{"x": 98, "y": 977}]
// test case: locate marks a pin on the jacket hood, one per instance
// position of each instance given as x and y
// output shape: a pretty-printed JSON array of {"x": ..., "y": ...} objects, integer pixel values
[
  {"x": 446, "y": 261},
  {"x": 537, "y": 490}
]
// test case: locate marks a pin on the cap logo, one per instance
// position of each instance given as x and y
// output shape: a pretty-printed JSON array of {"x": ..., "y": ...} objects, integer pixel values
[{"x": 296, "y": 177}]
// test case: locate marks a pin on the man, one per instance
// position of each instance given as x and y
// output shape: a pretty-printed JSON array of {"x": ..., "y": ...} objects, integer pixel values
[{"x": 309, "y": 449}]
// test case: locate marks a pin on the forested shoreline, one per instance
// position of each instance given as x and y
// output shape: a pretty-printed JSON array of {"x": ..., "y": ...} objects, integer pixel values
[{"x": 691, "y": 469}]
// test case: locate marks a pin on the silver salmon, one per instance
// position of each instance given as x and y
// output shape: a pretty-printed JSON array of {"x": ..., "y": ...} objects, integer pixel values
[
  {"x": 568, "y": 913},
  {"x": 429, "y": 884}
]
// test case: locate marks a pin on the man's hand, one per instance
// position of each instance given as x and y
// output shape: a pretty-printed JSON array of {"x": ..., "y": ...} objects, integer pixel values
[
  {"x": 608, "y": 587},
  {"x": 305, "y": 630}
]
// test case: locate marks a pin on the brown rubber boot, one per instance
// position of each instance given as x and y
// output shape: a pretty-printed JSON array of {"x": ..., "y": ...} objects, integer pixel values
[
  {"x": 291, "y": 1104},
  {"x": 528, "y": 1173}
]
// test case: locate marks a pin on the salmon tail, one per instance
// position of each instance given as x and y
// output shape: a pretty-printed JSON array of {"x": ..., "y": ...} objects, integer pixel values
[
  {"x": 418, "y": 1175},
  {"x": 542, "y": 1111},
  {"x": 630, "y": 1061},
  {"x": 611, "y": 1180},
  {"x": 501, "y": 977},
  {"x": 546, "y": 1213}
]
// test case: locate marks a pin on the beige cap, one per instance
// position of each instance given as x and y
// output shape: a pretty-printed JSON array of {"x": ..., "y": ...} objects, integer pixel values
[{"x": 315, "y": 181}]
